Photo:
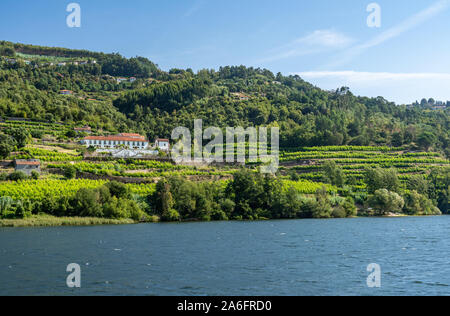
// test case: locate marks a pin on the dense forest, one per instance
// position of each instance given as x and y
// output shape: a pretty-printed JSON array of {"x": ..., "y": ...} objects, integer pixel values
[{"x": 230, "y": 96}]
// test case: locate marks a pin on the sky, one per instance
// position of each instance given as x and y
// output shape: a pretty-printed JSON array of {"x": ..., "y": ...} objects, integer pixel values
[{"x": 328, "y": 43}]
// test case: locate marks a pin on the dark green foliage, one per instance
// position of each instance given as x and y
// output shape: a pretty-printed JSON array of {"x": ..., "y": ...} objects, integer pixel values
[
  {"x": 118, "y": 190},
  {"x": 70, "y": 172},
  {"x": 418, "y": 183},
  {"x": 166, "y": 97},
  {"x": 333, "y": 174},
  {"x": 439, "y": 188},
  {"x": 7, "y": 50},
  {"x": 322, "y": 208},
  {"x": 418, "y": 204},
  {"x": 426, "y": 139},
  {"x": 20, "y": 136},
  {"x": 88, "y": 203},
  {"x": 34, "y": 175},
  {"x": 379, "y": 178},
  {"x": 307, "y": 115},
  {"x": 250, "y": 196},
  {"x": 92, "y": 203},
  {"x": 384, "y": 201},
  {"x": 17, "y": 175},
  {"x": 7, "y": 144}
]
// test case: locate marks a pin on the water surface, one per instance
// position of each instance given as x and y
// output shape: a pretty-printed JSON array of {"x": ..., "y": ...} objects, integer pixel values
[{"x": 298, "y": 257}]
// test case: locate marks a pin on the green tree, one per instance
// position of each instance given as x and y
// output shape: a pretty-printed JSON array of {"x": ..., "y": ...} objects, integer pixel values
[
  {"x": 323, "y": 208},
  {"x": 377, "y": 178},
  {"x": 163, "y": 202},
  {"x": 333, "y": 174},
  {"x": 418, "y": 183},
  {"x": 118, "y": 190},
  {"x": 21, "y": 136},
  {"x": 425, "y": 140},
  {"x": 6, "y": 146},
  {"x": 384, "y": 201},
  {"x": 418, "y": 204},
  {"x": 88, "y": 203},
  {"x": 70, "y": 172}
]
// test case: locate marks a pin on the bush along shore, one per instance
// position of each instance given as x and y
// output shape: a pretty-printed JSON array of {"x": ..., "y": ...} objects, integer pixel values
[{"x": 250, "y": 195}]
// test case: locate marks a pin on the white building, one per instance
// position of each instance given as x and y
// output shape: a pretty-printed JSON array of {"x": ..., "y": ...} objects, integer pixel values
[
  {"x": 121, "y": 79},
  {"x": 163, "y": 144},
  {"x": 117, "y": 141}
]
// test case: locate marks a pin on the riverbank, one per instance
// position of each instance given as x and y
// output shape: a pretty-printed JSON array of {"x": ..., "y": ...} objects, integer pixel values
[
  {"x": 51, "y": 221},
  {"x": 47, "y": 221}
]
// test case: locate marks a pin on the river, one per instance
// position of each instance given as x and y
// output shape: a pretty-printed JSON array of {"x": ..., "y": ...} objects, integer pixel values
[{"x": 295, "y": 257}]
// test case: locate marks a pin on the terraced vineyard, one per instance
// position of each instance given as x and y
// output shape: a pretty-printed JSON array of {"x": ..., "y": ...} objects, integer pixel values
[
  {"x": 47, "y": 155},
  {"x": 308, "y": 163},
  {"x": 301, "y": 176},
  {"x": 37, "y": 190},
  {"x": 37, "y": 128}
]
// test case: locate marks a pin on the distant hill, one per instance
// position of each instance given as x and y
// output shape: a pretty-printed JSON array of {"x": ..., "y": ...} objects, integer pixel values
[
  {"x": 157, "y": 101},
  {"x": 111, "y": 64}
]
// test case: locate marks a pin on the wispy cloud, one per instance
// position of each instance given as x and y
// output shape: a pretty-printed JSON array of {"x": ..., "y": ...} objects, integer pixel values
[
  {"x": 360, "y": 76},
  {"x": 315, "y": 42},
  {"x": 393, "y": 32},
  {"x": 399, "y": 87}
]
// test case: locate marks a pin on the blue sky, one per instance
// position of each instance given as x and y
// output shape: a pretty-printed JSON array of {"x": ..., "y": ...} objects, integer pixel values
[{"x": 327, "y": 42}]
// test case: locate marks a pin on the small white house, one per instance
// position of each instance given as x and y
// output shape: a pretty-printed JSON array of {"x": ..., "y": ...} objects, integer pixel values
[
  {"x": 121, "y": 79},
  {"x": 27, "y": 166},
  {"x": 66, "y": 92},
  {"x": 162, "y": 144}
]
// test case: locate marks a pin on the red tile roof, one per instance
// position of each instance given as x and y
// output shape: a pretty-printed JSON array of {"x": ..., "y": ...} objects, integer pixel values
[
  {"x": 116, "y": 138},
  {"x": 162, "y": 140},
  {"x": 28, "y": 163},
  {"x": 132, "y": 135}
]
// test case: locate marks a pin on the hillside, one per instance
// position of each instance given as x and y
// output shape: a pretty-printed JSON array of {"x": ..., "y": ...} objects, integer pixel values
[
  {"x": 158, "y": 101},
  {"x": 341, "y": 155}
]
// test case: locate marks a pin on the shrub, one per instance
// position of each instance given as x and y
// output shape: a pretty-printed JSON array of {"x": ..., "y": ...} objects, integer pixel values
[
  {"x": 87, "y": 203},
  {"x": 378, "y": 178},
  {"x": 418, "y": 204},
  {"x": 17, "y": 175},
  {"x": 118, "y": 189},
  {"x": 333, "y": 174},
  {"x": 70, "y": 172},
  {"x": 384, "y": 201},
  {"x": 339, "y": 212}
]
